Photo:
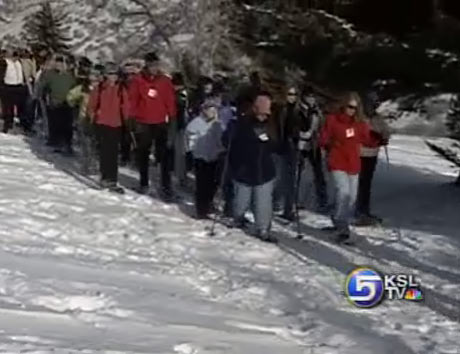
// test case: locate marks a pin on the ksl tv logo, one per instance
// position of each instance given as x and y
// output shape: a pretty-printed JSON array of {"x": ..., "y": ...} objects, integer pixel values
[{"x": 366, "y": 288}]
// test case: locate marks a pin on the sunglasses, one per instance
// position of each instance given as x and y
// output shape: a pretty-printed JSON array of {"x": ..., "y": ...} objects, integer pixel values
[
  {"x": 293, "y": 94},
  {"x": 350, "y": 106}
]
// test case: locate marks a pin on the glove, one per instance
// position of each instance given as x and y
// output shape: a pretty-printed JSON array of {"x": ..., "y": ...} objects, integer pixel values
[{"x": 305, "y": 135}]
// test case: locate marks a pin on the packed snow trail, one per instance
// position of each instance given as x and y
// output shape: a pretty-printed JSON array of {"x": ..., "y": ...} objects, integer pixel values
[{"x": 86, "y": 271}]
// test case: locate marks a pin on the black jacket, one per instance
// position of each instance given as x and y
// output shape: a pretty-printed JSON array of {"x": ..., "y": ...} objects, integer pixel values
[
  {"x": 288, "y": 121},
  {"x": 251, "y": 153},
  {"x": 3, "y": 66},
  {"x": 182, "y": 107}
]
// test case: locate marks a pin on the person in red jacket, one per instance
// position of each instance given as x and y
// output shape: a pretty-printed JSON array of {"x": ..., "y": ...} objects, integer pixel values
[
  {"x": 342, "y": 137},
  {"x": 108, "y": 107},
  {"x": 153, "y": 101}
]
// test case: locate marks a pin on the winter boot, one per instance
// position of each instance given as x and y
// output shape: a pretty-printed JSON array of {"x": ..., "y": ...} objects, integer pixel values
[
  {"x": 266, "y": 236},
  {"x": 114, "y": 188}
]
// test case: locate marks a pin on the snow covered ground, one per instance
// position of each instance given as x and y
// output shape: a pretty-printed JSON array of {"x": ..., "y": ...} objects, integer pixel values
[
  {"x": 85, "y": 271},
  {"x": 415, "y": 116}
]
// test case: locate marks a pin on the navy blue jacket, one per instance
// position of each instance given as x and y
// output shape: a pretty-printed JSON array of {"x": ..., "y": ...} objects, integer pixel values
[{"x": 252, "y": 153}]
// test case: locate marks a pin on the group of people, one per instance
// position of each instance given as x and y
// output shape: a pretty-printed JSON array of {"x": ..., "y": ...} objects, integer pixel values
[{"x": 246, "y": 143}]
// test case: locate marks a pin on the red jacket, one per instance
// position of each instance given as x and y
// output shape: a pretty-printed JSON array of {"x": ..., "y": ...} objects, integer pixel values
[
  {"x": 342, "y": 137},
  {"x": 153, "y": 99},
  {"x": 108, "y": 105}
]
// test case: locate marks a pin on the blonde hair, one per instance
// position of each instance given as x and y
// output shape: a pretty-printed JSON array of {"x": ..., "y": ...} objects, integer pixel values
[{"x": 360, "y": 116}]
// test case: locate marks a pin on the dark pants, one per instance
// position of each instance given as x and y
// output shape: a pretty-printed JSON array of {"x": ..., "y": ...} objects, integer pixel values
[
  {"x": 13, "y": 96},
  {"x": 315, "y": 159},
  {"x": 368, "y": 165},
  {"x": 60, "y": 125},
  {"x": 228, "y": 190},
  {"x": 28, "y": 120},
  {"x": 145, "y": 135},
  {"x": 207, "y": 183},
  {"x": 286, "y": 182},
  {"x": 109, "y": 143},
  {"x": 125, "y": 146}
]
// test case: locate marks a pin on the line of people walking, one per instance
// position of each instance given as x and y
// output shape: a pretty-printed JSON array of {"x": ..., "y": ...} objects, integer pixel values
[{"x": 241, "y": 141}]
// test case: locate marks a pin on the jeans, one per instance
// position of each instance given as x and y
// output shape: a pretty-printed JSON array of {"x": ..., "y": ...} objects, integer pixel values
[
  {"x": 286, "y": 166},
  {"x": 368, "y": 165},
  {"x": 346, "y": 190},
  {"x": 261, "y": 199}
]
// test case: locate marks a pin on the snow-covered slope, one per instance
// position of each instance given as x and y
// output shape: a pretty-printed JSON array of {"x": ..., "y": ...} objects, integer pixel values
[
  {"x": 97, "y": 28},
  {"x": 85, "y": 271}
]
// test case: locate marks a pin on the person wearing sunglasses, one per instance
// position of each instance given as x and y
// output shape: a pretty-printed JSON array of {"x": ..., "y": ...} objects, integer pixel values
[
  {"x": 287, "y": 121},
  {"x": 342, "y": 136}
]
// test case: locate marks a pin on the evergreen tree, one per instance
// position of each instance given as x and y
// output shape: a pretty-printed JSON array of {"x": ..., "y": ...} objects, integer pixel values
[{"x": 45, "y": 29}]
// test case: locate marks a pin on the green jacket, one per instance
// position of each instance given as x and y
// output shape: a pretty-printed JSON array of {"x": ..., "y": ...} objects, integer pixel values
[{"x": 56, "y": 86}]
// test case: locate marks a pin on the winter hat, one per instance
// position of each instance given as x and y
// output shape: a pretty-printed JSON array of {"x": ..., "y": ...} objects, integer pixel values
[
  {"x": 210, "y": 102},
  {"x": 99, "y": 68},
  {"x": 111, "y": 68},
  {"x": 262, "y": 105},
  {"x": 84, "y": 62},
  {"x": 151, "y": 57},
  {"x": 178, "y": 79}
]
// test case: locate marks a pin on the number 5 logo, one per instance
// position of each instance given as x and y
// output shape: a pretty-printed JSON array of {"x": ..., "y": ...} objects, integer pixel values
[
  {"x": 364, "y": 287},
  {"x": 363, "y": 282}
]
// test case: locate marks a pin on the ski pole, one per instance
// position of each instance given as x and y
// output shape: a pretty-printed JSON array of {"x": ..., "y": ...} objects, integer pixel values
[
  {"x": 133, "y": 139},
  {"x": 388, "y": 157},
  {"x": 297, "y": 192},
  {"x": 212, "y": 231}
]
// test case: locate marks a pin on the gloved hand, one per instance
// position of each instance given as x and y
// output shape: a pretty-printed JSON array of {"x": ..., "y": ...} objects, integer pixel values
[{"x": 305, "y": 135}]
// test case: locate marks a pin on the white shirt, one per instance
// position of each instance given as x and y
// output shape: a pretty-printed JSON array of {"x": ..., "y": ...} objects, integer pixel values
[{"x": 13, "y": 74}]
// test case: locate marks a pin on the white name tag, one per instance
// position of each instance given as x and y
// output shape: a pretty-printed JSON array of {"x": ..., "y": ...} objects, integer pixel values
[
  {"x": 263, "y": 137},
  {"x": 350, "y": 133},
  {"x": 152, "y": 93}
]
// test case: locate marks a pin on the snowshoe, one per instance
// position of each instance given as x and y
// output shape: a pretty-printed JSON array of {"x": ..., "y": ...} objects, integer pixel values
[
  {"x": 266, "y": 236},
  {"x": 288, "y": 217},
  {"x": 143, "y": 190},
  {"x": 342, "y": 237},
  {"x": 168, "y": 196},
  {"x": 367, "y": 220},
  {"x": 116, "y": 189}
]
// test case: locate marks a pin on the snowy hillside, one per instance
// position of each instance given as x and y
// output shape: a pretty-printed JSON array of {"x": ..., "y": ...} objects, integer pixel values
[
  {"x": 84, "y": 271},
  {"x": 97, "y": 28}
]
